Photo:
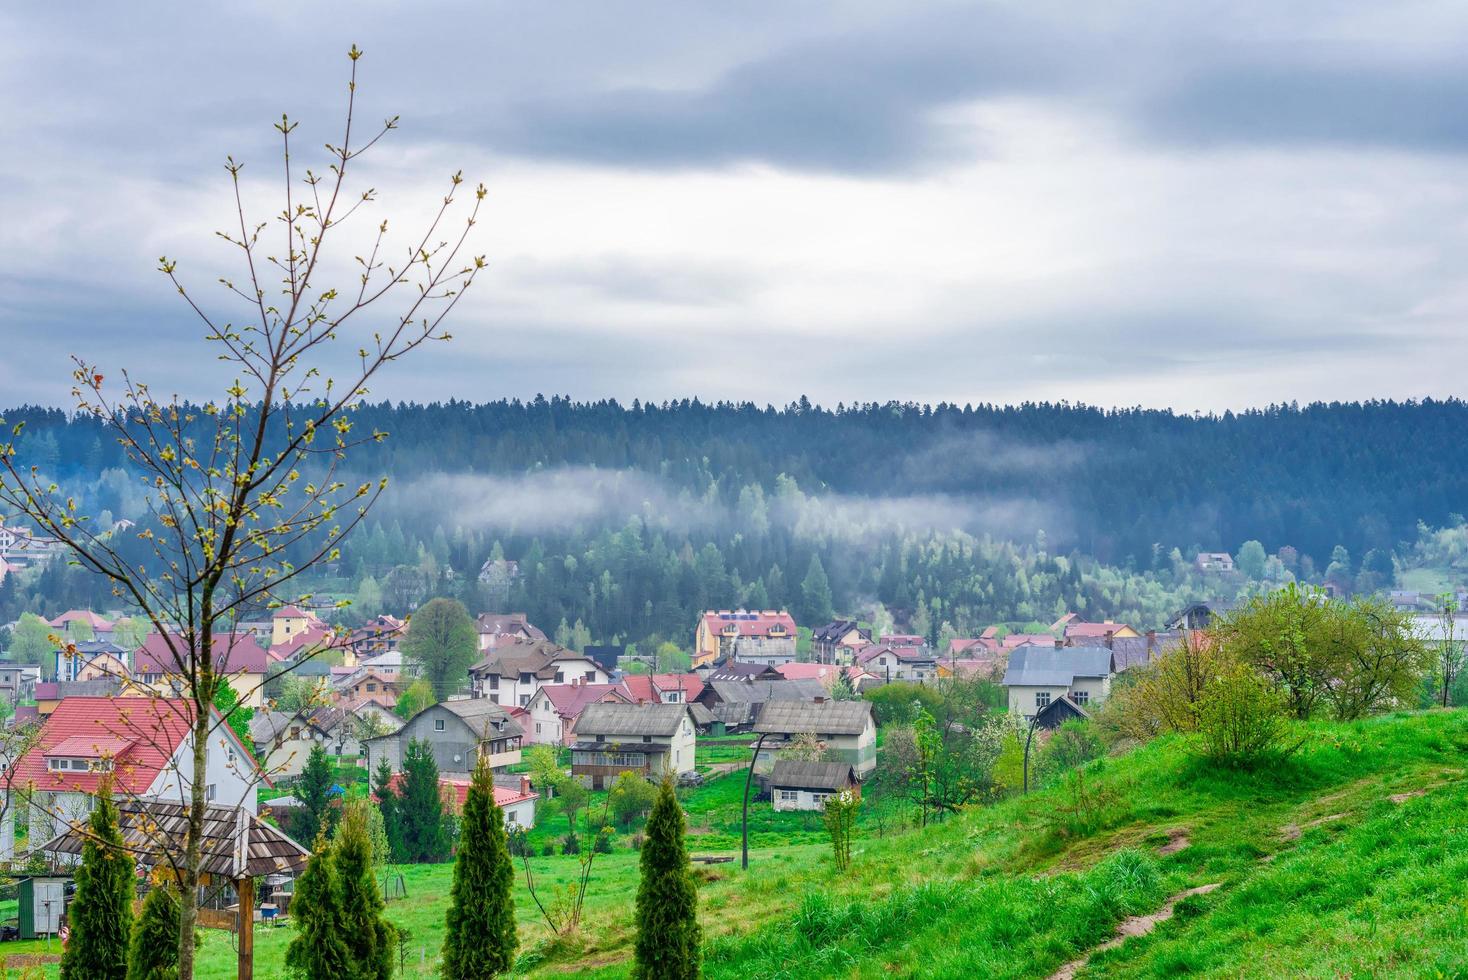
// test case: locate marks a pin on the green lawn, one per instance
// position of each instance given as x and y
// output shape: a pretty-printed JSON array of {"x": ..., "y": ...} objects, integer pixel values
[{"x": 1320, "y": 874}]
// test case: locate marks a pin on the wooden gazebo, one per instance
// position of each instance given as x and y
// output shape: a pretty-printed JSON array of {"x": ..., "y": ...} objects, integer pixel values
[{"x": 237, "y": 846}]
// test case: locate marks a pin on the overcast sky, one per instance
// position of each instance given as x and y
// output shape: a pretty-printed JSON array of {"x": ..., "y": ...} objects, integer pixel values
[{"x": 1196, "y": 205}]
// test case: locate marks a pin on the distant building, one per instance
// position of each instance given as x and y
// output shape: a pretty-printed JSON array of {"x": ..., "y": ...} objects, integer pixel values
[
  {"x": 1038, "y": 675},
  {"x": 838, "y": 642},
  {"x": 512, "y": 672},
  {"x": 236, "y": 655},
  {"x": 846, "y": 730},
  {"x": 458, "y": 732},
  {"x": 496, "y": 629},
  {"x": 753, "y": 636},
  {"x": 1214, "y": 561},
  {"x": 808, "y": 785},
  {"x": 649, "y": 739},
  {"x": 899, "y": 662},
  {"x": 289, "y": 622},
  {"x": 555, "y": 709},
  {"x": 1199, "y": 615},
  {"x": 379, "y": 635},
  {"x": 517, "y": 804}
]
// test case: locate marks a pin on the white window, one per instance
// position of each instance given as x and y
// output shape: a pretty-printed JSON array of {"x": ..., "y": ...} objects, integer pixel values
[
  {"x": 438, "y": 724},
  {"x": 560, "y": 677},
  {"x": 524, "y": 700},
  {"x": 537, "y": 728},
  {"x": 1081, "y": 697},
  {"x": 788, "y": 796},
  {"x": 209, "y": 792},
  {"x": 229, "y": 754},
  {"x": 1042, "y": 698},
  {"x": 512, "y": 817}
]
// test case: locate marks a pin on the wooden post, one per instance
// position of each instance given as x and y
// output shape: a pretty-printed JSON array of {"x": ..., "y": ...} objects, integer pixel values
[{"x": 245, "y": 890}]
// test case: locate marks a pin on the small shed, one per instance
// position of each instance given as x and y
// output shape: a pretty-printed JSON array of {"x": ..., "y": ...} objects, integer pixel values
[
  {"x": 1060, "y": 711},
  {"x": 42, "y": 901},
  {"x": 807, "y": 785}
]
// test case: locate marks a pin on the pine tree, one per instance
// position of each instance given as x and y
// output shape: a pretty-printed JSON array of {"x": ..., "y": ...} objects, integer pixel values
[
  {"x": 387, "y": 803},
  {"x": 154, "y": 951},
  {"x": 420, "y": 808},
  {"x": 101, "y": 915},
  {"x": 667, "y": 901},
  {"x": 815, "y": 591},
  {"x": 318, "y": 951},
  {"x": 481, "y": 937},
  {"x": 368, "y": 937},
  {"x": 314, "y": 791}
]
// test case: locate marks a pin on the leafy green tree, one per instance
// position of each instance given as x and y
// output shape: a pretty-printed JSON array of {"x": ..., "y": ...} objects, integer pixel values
[
  {"x": 573, "y": 797},
  {"x": 1242, "y": 719},
  {"x": 80, "y": 631},
  {"x": 420, "y": 808},
  {"x": 297, "y": 693},
  {"x": 129, "y": 633},
  {"x": 1071, "y": 746},
  {"x": 368, "y": 937},
  {"x": 442, "y": 641},
  {"x": 30, "y": 643},
  {"x": 1250, "y": 560},
  {"x": 668, "y": 934},
  {"x": 545, "y": 768},
  {"x": 314, "y": 791},
  {"x": 101, "y": 914},
  {"x": 815, "y": 593},
  {"x": 418, "y": 696},
  {"x": 480, "y": 940},
  {"x": 631, "y": 797},
  {"x": 235, "y": 715},
  {"x": 318, "y": 951},
  {"x": 153, "y": 954}
]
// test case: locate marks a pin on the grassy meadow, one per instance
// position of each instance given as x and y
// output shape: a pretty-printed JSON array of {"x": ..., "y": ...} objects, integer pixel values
[{"x": 1349, "y": 859}]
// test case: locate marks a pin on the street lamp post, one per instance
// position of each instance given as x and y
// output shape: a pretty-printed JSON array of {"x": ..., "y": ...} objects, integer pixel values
[{"x": 749, "y": 778}]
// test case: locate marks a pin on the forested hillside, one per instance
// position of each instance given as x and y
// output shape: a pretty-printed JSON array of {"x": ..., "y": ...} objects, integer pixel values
[{"x": 631, "y": 518}]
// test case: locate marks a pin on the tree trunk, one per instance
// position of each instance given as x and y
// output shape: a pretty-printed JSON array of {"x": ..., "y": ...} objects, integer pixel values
[{"x": 203, "y": 689}]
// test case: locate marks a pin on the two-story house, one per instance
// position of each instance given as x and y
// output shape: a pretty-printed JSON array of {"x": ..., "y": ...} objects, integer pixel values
[
  {"x": 379, "y": 635},
  {"x": 555, "y": 709},
  {"x": 497, "y": 629},
  {"x": 89, "y": 625},
  {"x": 458, "y": 732},
  {"x": 899, "y": 662},
  {"x": 1036, "y": 675},
  {"x": 90, "y": 660},
  {"x": 846, "y": 730},
  {"x": 663, "y": 688},
  {"x": 512, "y": 673},
  {"x": 839, "y": 642},
  {"x": 144, "y": 744},
  {"x": 753, "y": 636},
  {"x": 650, "y": 739},
  {"x": 238, "y": 656}
]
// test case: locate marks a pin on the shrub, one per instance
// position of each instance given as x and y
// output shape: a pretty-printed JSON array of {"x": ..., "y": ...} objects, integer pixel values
[
  {"x": 603, "y": 842},
  {"x": 518, "y": 842},
  {"x": 668, "y": 935},
  {"x": 1242, "y": 719},
  {"x": 1071, "y": 746},
  {"x": 548, "y": 850},
  {"x": 570, "y": 844},
  {"x": 154, "y": 951},
  {"x": 1083, "y": 806}
]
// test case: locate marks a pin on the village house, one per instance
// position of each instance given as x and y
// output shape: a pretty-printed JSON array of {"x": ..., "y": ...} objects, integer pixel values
[
  {"x": 379, "y": 635},
  {"x": 518, "y": 804},
  {"x": 1214, "y": 561},
  {"x": 289, "y": 622},
  {"x": 1039, "y": 674},
  {"x": 144, "y": 744},
  {"x": 798, "y": 785},
  {"x": 734, "y": 670},
  {"x": 283, "y": 741},
  {"x": 497, "y": 629},
  {"x": 846, "y": 730},
  {"x": 238, "y": 656},
  {"x": 18, "y": 682},
  {"x": 826, "y": 674},
  {"x": 650, "y": 739},
  {"x": 90, "y": 660},
  {"x": 21, "y": 547},
  {"x": 894, "y": 662},
  {"x": 663, "y": 688},
  {"x": 50, "y": 694},
  {"x": 366, "y": 684},
  {"x": 838, "y": 642},
  {"x": 766, "y": 637},
  {"x": 458, "y": 732},
  {"x": 512, "y": 672},
  {"x": 555, "y": 708},
  {"x": 1075, "y": 631},
  {"x": 88, "y": 624},
  {"x": 735, "y": 704}
]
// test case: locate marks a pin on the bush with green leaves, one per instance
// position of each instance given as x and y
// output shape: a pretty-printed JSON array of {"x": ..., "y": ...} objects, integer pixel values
[
  {"x": 153, "y": 954},
  {"x": 1243, "y": 719}
]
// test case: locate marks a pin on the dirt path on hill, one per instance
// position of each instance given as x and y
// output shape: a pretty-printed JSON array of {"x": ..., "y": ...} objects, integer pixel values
[{"x": 1134, "y": 925}]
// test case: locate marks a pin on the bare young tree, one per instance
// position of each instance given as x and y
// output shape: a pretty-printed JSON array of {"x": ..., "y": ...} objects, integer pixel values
[{"x": 246, "y": 492}]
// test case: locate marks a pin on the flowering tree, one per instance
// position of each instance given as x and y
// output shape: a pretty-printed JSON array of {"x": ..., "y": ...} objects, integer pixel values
[{"x": 247, "y": 491}]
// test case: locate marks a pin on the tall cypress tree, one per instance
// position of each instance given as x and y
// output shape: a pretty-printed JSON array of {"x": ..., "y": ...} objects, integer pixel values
[
  {"x": 420, "y": 807},
  {"x": 667, "y": 901},
  {"x": 481, "y": 937},
  {"x": 314, "y": 790},
  {"x": 387, "y": 802},
  {"x": 154, "y": 951},
  {"x": 367, "y": 935},
  {"x": 101, "y": 915},
  {"x": 317, "y": 952}
]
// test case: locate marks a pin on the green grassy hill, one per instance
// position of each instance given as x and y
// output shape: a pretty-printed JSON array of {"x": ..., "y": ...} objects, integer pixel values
[{"x": 1352, "y": 859}]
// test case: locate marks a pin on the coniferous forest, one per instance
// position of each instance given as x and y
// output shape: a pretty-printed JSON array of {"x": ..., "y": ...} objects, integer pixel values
[{"x": 624, "y": 521}]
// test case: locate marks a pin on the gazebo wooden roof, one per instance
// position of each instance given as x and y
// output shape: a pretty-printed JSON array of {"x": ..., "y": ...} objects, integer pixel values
[{"x": 237, "y": 844}]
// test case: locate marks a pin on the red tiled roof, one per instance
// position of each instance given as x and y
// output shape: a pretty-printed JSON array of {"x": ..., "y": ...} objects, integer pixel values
[
  {"x": 818, "y": 672},
  {"x": 690, "y": 684},
  {"x": 308, "y": 639},
  {"x": 292, "y": 612},
  {"x": 1093, "y": 629},
  {"x": 640, "y": 688},
  {"x": 152, "y": 728},
  {"x": 459, "y": 788},
  {"x": 82, "y": 615},
  {"x": 749, "y": 622},
  {"x": 233, "y": 652},
  {"x": 90, "y": 746},
  {"x": 570, "y": 699}
]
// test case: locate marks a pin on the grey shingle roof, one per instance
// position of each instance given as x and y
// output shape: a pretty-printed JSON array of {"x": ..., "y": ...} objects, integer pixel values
[
  {"x": 631, "y": 719},
  {"x": 752, "y": 691},
  {"x": 479, "y": 713},
  {"x": 1038, "y": 666},
  {"x": 791, "y": 774},
  {"x": 823, "y": 718}
]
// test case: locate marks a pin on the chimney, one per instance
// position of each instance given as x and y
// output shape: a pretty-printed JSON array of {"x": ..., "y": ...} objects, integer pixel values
[
  {"x": 1109, "y": 634},
  {"x": 524, "y": 785},
  {"x": 1151, "y": 642},
  {"x": 1059, "y": 643}
]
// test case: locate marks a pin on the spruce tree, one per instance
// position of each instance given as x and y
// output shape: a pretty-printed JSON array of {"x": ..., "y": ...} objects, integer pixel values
[
  {"x": 101, "y": 915},
  {"x": 314, "y": 791},
  {"x": 420, "y": 807},
  {"x": 387, "y": 802},
  {"x": 368, "y": 937},
  {"x": 154, "y": 951},
  {"x": 317, "y": 952},
  {"x": 815, "y": 592},
  {"x": 481, "y": 937},
  {"x": 667, "y": 901}
]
